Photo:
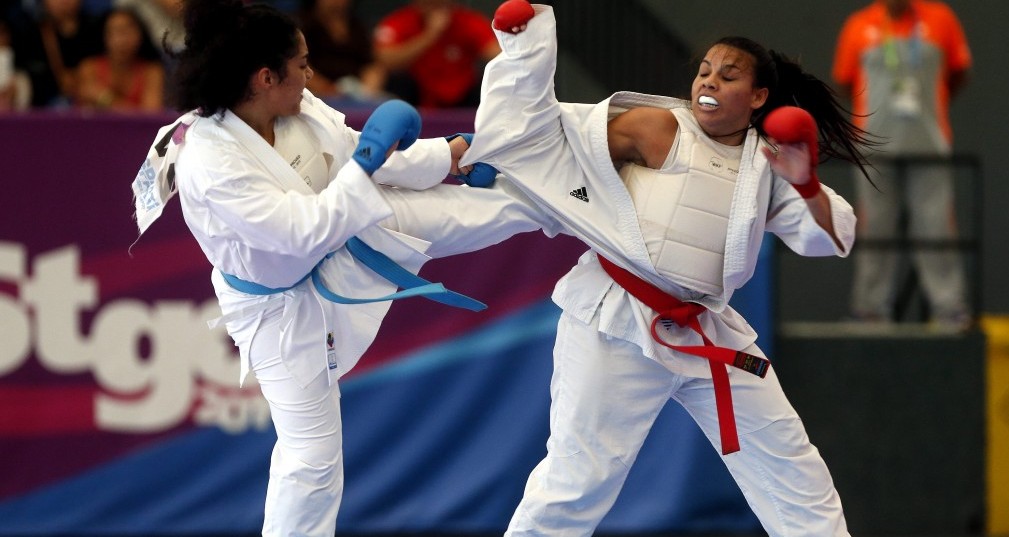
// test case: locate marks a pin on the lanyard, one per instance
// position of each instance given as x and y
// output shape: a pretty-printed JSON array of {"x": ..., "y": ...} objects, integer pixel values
[{"x": 891, "y": 53}]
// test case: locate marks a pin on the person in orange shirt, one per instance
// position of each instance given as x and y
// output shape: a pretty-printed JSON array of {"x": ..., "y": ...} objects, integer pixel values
[
  {"x": 129, "y": 76},
  {"x": 901, "y": 61}
]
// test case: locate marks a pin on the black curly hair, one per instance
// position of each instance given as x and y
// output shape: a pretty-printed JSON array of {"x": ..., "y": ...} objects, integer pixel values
[{"x": 227, "y": 41}]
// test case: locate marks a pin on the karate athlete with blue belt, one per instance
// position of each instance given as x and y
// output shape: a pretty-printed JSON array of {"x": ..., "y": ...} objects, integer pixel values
[
  {"x": 673, "y": 197},
  {"x": 283, "y": 198}
]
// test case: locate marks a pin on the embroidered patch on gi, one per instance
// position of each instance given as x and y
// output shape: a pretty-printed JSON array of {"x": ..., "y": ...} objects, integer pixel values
[
  {"x": 145, "y": 185},
  {"x": 331, "y": 351}
]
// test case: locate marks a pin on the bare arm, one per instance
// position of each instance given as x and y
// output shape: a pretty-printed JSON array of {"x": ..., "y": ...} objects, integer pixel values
[
  {"x": 399, "y": 56},
  {"x": 89, "y": 92},
  {"x": 956, "y": 81},
  {"x": 373, "y": 78},
  {"x": 153, "y": 98},
  {"x": 642, "y": 135},
  {"x": 490, "y": 51},
  {"x": 845, "y": 90},
  {"x": 322, "y": 86}
]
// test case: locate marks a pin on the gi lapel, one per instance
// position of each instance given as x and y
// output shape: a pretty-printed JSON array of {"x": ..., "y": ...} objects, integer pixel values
[
  {"x": 264, "y": 153},
  {"x": 752, "y": 168}
]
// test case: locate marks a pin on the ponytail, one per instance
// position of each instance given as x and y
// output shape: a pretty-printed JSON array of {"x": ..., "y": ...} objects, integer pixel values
[
  {"x": 788, "y": 84},
  {"x": 839, "y": 137}
]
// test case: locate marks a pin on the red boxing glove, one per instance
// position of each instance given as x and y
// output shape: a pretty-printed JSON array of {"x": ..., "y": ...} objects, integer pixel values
[
  {"x": 792, "y": 125},
  {"x": 512, "y": 14}
]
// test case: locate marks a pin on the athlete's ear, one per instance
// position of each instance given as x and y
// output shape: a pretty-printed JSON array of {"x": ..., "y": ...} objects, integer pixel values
[
  {"x": 262, "y": 78},
  {"x": 759, "y": 97}
]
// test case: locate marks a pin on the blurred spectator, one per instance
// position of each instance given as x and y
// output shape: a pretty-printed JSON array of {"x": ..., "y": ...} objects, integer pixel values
[
  {"x": 163, "y": 21},
  {"x": 902, "y": 61},
  {"x": 15, "y": 88},
  {"x": 440, "y": 46},
  {"x": 51, "y": 47},
  {"x": 129, "y": 76},
  {"x": 339, "y": 48}
]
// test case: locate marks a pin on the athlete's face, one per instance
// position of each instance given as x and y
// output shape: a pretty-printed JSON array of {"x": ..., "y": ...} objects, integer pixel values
[
  {"x": 723, "y": 94},
  {"x": 287, "y": 93}
]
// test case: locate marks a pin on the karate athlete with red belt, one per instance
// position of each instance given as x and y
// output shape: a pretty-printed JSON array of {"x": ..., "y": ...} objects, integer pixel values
[{"x": 673, "y": 197}]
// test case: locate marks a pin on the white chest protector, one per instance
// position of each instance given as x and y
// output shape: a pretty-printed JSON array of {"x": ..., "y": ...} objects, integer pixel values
[
  {"x": 302, "y": 150},
  {"x": 683, "y": 207}
]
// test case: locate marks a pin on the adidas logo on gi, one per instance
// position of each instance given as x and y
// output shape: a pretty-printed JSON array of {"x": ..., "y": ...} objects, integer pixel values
[{"x": 581, "y": 194}]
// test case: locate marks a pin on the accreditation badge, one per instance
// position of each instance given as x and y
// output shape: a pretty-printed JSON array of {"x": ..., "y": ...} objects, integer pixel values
[
  {"x": 330, "y": 351},
  {"x": 905, "y": 99}
]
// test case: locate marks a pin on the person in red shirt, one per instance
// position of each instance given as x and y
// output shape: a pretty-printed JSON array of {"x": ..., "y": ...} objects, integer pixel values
[
  {"x": 902, "y": 61},
  {"x": 439, "y": 46}
]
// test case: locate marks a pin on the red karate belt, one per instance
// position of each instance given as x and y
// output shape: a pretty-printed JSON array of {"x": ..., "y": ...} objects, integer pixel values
[{"x": 685, "y": 314}]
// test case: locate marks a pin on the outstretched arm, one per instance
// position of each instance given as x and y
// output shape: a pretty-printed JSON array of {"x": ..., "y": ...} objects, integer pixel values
[
  {"x": 794, "y": 129},
  {"x": 396, "y": 56},
  {"x": 518, "y": 111}
]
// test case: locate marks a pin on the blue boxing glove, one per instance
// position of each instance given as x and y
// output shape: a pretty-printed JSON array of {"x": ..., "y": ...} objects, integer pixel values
[
  {"x": 393, "y": 121},
  {"x": 482, "y": 175}
]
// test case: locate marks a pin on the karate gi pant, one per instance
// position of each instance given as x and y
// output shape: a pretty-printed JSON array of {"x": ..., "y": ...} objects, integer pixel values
[
  {"x": 306, "y": 470},
  {"x": 926, "y": 193},
  {"x": 605, "y": 397}
]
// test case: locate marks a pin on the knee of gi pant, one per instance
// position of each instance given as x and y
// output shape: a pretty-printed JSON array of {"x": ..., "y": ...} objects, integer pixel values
[{"x": 320, "y": 462}]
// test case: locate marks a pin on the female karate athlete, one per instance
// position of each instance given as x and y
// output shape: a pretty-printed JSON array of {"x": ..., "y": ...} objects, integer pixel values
[
  {"x": 279, "y": 193},
  {"x": 673, "y": 197}
]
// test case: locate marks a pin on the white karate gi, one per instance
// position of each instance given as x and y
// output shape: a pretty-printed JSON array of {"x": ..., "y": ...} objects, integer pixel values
[
  {"x": 256, "y": 218},
  {"x": 611, "y": 378}
]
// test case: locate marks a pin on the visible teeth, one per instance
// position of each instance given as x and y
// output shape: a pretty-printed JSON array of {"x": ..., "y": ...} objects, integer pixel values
[{"x": 704, "y": 99}]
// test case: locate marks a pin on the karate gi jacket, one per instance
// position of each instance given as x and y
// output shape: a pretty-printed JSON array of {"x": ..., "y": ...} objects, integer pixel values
[
  {"x": 256, "y": 218},
  {"x": 553, "y": 150}
]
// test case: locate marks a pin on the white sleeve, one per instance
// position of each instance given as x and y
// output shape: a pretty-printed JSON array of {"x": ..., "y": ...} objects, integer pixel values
[
  {"x": 518, "y": 107},
  {"x": 236, "y": 191},
  {"x": 425, "y": 164},
  {"x": 789, "y": 218}
]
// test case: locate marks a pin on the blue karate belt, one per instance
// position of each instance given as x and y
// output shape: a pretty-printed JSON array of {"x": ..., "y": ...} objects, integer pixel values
[{"x": 411, "y": 284}]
